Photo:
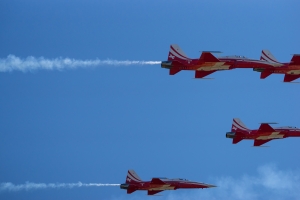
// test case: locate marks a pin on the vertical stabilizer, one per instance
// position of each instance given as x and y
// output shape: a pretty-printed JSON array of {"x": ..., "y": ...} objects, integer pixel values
[
  {"x": 266, "y": 55},
  {"x": 238, "y": 126},
  {"x": 132, "y": 177},
  {"x": 176, "y": 53}
]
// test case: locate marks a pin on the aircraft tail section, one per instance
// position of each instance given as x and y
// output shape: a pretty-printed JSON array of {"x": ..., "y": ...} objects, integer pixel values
[
  {"x": 265, "y": 74},
  {"x": 238, "y": 126},
  {"x": 132, "y": 177},
  {"x": 236, "y": 140},
  {"x": 176, "y": 53},
  {"x": 131, "y": 190},
  {"x": 238, "y": 131},
  {"x": 266, "y": 55}
]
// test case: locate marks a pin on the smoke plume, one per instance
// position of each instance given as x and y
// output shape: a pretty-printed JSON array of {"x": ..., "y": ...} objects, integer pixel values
[
  {"x": 32, "y": 186},
  {"x": 14, "y": 63}
]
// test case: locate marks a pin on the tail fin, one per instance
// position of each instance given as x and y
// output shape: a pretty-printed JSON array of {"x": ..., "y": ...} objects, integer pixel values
[
  {"x": 176, "y": 53},
  {"x": 266, "y": 55},
  {"x": 132, "y": 177},
  {"x": 238, "y": 126}
]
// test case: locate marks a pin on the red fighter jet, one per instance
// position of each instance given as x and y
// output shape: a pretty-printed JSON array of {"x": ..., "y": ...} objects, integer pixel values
[
  {"x": 156, "y": 185},
  {"x": 290, "y": 70},
  {"x": 208, "y": 63},
  {"x": 262, "y": 135}
]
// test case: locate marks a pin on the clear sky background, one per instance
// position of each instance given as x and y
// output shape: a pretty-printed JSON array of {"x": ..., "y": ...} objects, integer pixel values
[{"x": 93, "y": 124}]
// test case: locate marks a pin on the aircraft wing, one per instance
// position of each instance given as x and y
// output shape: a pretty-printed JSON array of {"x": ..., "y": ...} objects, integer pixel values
[
  {"x": 157, "y": 181},
  {"x": 290, "y": 77},
  {"x": 153, "y": 192},
  {"x": 201, "y": 74},
  {"x": 295, "y": 60},
  {"x": 260, "y": 142},
  {"x": 265, "y": 127},
  {"x": 208, "y": 57}
]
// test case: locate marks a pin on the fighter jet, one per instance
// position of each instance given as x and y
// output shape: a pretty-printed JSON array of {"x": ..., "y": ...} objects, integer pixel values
[
  {"x": 262, "y": 135},
  {"x": 156, "y": 185},
  {"x": 208, "y": 63},
  {"x": 290, "y": 70}
]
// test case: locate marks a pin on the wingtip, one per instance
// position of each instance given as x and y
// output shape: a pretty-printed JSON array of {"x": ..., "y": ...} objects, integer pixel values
[
  {"x": 268, "y": 123},
  {"x": 207, "y": 78},
  {"x": 211, "y": 51},
  {"x": 260, "y": 146}
]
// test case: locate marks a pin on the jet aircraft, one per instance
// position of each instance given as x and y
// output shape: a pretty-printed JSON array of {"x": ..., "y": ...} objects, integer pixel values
[
  {"x": 262, "y": 135},
  {"x": 156, "y": 185},
  {"x": 290, "y": 70},
  {"x": 208, "y": 63}
]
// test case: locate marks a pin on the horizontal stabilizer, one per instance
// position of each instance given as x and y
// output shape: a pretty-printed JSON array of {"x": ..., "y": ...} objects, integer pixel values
[
  {"x": 152, "y": 192},
  {"x": 236, "y": 140},
  {"x": 290, "y": 77},
  {"x": 129, "y": 191},
  {"x": 177, "y": 64},
  {"x": 208, "y": 57},
  {"x": 265, "y": 128},
  {"x": 157, "y": 181},
  {"x": 265, "y": 74},
  {"x": 260, "y": 142},
  {"x": 174, "y": 71},
  {"x": 295, "y": 60},
  {"x": 201, "y": 74}
]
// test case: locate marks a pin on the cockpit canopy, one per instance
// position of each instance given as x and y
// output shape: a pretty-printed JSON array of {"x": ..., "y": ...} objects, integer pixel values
[
  {"x": 235, "y": 56},
  {"x": 180, "y": 179},
  {"x": 288, "y": 127}
]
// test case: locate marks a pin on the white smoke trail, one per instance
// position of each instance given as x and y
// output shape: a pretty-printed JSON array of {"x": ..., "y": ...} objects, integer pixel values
[
  {"x": 31, "y": 186},
  {"x": 31, "y": 63}
]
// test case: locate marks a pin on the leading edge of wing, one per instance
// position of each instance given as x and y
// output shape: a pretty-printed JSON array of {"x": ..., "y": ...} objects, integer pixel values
[
  {"x": 157, "y": 181},
  {"x": 295, "y": 59},
  {"x": 208, "y": 57},
  {"x": 265, "y": 127},
  {"x": 260, "y": 142}
]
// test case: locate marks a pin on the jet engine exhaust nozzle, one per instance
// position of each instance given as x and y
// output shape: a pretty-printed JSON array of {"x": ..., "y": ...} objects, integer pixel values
[
  {"x": 124, "y": 186},
  {"x": 230, "y": 134},
  {"x": 166, "y": 64}
]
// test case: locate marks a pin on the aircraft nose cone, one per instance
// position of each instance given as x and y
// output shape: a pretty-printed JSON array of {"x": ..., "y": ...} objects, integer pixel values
[{"x": 210, "y": 186}]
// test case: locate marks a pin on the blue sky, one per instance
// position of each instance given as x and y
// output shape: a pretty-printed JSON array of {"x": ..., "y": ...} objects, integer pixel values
[{"x": 92, "y": 124}]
